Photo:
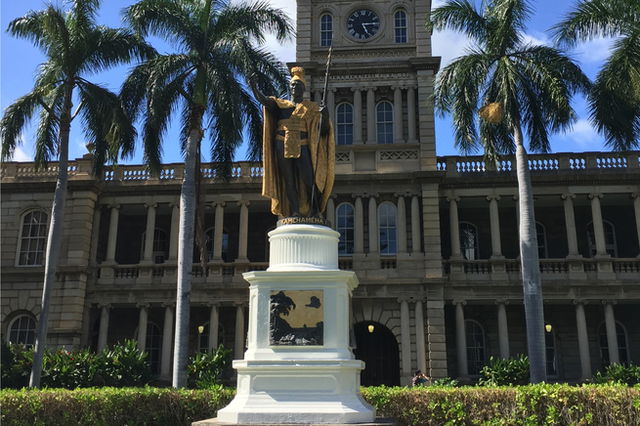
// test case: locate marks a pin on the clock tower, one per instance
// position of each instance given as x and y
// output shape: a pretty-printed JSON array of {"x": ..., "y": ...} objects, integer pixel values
[{"x": 380, "y": 82}]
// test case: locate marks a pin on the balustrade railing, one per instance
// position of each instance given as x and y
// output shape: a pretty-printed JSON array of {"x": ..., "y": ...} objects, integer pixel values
[{"x": 451, "y": 165}]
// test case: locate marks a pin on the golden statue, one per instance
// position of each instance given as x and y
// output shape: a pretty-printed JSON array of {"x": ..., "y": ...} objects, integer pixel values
[{"x": 298, "y": 149}]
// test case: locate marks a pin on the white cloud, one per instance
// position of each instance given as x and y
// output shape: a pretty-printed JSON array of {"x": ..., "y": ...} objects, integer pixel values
[
  {"x": 449, "y": 45},
  {"x": 584, "y": 135},
  {"x": 594, "y": 51},
  {"x": 21, "y": 155},
  {"x": 537, "y": 39}
]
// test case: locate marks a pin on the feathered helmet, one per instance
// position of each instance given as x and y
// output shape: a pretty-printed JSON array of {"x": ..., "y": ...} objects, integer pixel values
[{"x": 297, "y": 73}]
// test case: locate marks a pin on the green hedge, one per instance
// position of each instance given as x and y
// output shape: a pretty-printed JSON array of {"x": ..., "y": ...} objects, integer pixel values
[
  {"x": 525, "y": 405},
  {"x": 110, "y": 406}
]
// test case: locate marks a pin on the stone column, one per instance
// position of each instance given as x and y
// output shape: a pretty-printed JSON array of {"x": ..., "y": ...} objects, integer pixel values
[
  {"x": 612, "y": 336},
  {"x": 598, "y": 227},
  {"x": 570, "y": 224},
  {"x": 405, "y": 338},
  {"x": 583, "y": 341},
  {"x": 494, "y": 216},
  {"x": 503, "y": 330},
  {"x": 371, "y": 116},
  {"x": 238, "y": 352},
  {"x": 416, "y": 235},
  {"x": 143, "y": 316},
  {"x": 420, "y": 344},
  {"x": 173, "y": 234},
  {"x": 167, "y": 342},
  {"x": 331, "y": 104},
  {"x": 104, "y": 327},
  {"x": 454, "y": 228},
  {"x": 244, "y": 231},
  {"x": 357, "y": 115},
  {"x": 402, "y": 225},
  {"x": 398, "y": 136},
  {"x": 149, "y": 233},
  {"x": 331, "y": 212},
  {"x": 113, "y": 233},
  {"x": 373, "y": 225},
  {"x": 461, "y": 340},
  {"x": 411, "y": 112},
  {"x": 218, "y": 230},
  {"x": 636, "y": 209},
  {"x": 358, "y": 243},
  {"x": 213, "y": 328},
  {"x": 95, "y": 233}
]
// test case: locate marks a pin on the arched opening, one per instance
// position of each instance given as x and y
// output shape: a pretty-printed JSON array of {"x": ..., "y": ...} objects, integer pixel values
[{"x": 377, "y": 347}]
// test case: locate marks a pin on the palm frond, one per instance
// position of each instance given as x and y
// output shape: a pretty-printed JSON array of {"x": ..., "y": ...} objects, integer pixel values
[
  {"x": 252, "y": 20},
  {"x": 46, "y": 144},
  {"x": 46, "y": 29},
  {"x": 597, "y": 18},
  {"x": 167, "y": 19},
  {"x": 111, "y": 46},
  {"x": 15, "y": 117},
  {"x": 459, "y": 15},
  {"x": 507, "y": 19}
]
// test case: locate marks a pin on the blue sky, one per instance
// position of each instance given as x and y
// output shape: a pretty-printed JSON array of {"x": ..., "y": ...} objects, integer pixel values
[{"x": 19, "y": 59}]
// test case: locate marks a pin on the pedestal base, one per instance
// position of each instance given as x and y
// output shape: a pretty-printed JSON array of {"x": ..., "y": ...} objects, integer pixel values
[{"x": 298, "y": 391}]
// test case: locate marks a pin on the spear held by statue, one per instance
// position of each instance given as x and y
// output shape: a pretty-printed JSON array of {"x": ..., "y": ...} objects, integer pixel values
[{"x": 322, "y": 105}]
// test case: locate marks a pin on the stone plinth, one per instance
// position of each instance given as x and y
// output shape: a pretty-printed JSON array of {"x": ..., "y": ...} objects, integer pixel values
[{"x": 298, "y": 367}]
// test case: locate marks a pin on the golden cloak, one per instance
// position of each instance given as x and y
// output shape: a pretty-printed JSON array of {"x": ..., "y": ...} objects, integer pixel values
[{"x": 322, "y": 157}]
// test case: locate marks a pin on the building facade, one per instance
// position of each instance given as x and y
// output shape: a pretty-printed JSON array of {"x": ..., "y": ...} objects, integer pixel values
[{"x": 433, "y": 240}]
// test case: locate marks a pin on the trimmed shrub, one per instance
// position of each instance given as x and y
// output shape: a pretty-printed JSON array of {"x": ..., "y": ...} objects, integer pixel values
[
  {"x": 206, "y": 369},
  {"x": 618, "y": 373},
  {"x": 15, "y": 366},
  {"x": 110, "y": 406},
  {"x": 505, "y": 372},
  {"x": 525, "y": 405},
  {"x": 541, "y": 404},
  {"x": 445, "y": 381}
]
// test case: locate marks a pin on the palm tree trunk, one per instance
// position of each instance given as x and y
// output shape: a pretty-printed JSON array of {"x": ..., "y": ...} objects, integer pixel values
[
  {"x": 530, "y": 265},
  {"x": 53, "y": 240},
  {"x": 185, "y": 251}
]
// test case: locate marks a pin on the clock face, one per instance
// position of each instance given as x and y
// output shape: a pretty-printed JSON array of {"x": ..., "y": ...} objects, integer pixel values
[{"x": 363, "y": 24}]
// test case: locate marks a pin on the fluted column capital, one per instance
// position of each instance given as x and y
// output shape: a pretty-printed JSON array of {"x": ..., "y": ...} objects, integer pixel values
[
  {"x": 568, "y": 196},
  {"x": 595, "y": 195},
  {"x": 493, "y": 197}
]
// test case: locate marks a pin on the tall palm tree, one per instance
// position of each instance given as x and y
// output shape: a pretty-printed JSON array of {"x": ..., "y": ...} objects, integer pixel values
[
  {"x": 614, "y": 100},
  {"x": 516, "y": 88},
  {"x": 205, "y": 80},
  {"x": 75, "y": 47}
]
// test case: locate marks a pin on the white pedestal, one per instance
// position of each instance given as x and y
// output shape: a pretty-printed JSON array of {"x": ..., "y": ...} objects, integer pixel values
[{"x": 300, "y": 383}]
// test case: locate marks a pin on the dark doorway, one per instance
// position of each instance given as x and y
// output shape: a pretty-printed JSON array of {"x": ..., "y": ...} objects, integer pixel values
[{"x": 378, "y": 348}]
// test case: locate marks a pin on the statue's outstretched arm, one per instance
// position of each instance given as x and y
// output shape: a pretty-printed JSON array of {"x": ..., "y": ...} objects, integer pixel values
[{"x": 264, "y": 100}]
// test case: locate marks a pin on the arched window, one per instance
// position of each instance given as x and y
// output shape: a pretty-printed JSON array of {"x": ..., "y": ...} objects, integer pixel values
[
  {"x": 475, "y": 346},
  {"x": 160, "y": 245},
  {"x": 344, "y": 124},
  {"x": 400, "y": 19},
  {"x": 387, "y": 227},
  {"x": 153, "y": 346},
  {"x": 33, "y": 238},
  {"x": 326, "y": 30},
  {"x": 542, "y": 241},
  {"x": 609, "y": 238},
  {"x": 344, "y": 225},
  {"x": 550, "y": 347},
  {"x": 469, "y": 241},
  {"x": 623, "y": 352},
  {"x": 22, "y": 330},
  {"x": 384, "y": 122}
]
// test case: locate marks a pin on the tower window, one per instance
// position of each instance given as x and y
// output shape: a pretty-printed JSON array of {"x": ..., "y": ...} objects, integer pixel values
[
  {"x": 326, "y": 30},
  {"x": 400, "y": 19},
  {"x": 384, "y": 122},
  {"x": 344, "y": 124}
]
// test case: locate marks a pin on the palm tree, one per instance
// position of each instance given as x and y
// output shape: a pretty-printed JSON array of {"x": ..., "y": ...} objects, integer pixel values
[
  {"x": 205, "y": 80},
  {"x": 74, "y": 46},
  {"x": 516, "y": 87},
  {"x": 614, "y": 100}
]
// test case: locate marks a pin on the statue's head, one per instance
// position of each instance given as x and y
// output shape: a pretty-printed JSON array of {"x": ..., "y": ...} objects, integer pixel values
[{"x": 297, "y": 83}]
